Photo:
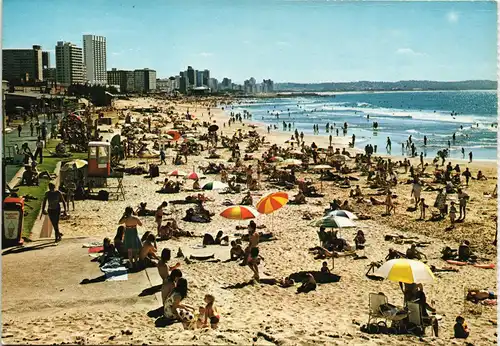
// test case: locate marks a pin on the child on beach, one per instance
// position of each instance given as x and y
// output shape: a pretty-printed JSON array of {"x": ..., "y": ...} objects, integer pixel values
[
  {"x": 324, "y": 268},
  {"x": 453, "y": 213},
  {"x": 211, "y": 313},
  {"x": 461, "y": 330},
  {"x": 236, "y": 251},
  {"x": 163, "y": 267},
  {"x": 389, "y": 205},
  {"x": 423, "y": 206}
]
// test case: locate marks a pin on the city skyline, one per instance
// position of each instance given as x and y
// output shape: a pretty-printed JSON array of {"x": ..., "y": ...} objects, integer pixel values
[{"x": 287, "y": 41}]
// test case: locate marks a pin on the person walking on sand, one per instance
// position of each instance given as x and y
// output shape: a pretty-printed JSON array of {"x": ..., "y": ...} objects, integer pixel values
[
  {"x": 389, "y": 205},
  {"x": 462, "y": 203},
  {"x": 423, "y": 206},
  {"x": 467, "y": 175},
  {"x": 470, "y": 156},
  {"x": 416, "y": 189},
  {"x": 162, "y": 157},
  {"x": 353, "y": 139},
  {"x": 54, "y": 198},
  {"x": 19, "y": 129},
  {"x": 388, "y": 146}
]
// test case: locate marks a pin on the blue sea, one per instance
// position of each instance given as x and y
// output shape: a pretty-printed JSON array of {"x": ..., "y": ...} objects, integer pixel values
[{"x": 435, "y": 114}]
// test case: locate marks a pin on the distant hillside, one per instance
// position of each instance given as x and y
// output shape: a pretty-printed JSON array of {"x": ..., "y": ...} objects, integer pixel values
[{"x": 388, "y": 86}]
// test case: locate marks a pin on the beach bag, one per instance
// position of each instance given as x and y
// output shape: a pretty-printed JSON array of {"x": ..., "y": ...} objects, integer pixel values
[{"x": 154, "y": 171}]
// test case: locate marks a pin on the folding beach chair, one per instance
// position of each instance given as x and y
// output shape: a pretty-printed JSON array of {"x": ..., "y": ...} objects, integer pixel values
[{"x": 375, "y": 301}]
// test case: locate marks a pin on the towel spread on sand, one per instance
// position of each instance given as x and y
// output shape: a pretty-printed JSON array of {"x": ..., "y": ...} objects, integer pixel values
[
  {"x": 96, "y": 249},
  {"x": 117, "y": 274},
  {"x": 92, "y": 244}
]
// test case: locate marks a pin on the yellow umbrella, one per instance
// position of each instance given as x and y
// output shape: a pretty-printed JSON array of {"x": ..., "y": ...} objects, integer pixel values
[
  {"x": 78, "y": 163},
  {"x": 405, "y": 270},
  {"x": 239, "y": 212},
  {"x": 271, "y": 202}
]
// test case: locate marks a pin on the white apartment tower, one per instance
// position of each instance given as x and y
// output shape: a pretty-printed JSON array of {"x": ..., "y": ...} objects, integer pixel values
[
  {"x": 69, "y": 64},
  {"x": 94, "y": 57}
]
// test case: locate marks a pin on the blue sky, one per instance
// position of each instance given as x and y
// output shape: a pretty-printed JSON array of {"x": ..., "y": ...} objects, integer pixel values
[{"x": 285, "y": 40}]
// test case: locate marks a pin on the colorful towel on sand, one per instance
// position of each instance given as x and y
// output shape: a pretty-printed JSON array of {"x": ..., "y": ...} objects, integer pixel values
[
  {"x": 92, "y": 244},
  {"x": 96, "y": 249}
]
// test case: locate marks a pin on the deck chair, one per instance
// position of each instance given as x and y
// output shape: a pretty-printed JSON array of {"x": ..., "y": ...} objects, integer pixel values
[
  {"x": 415, "y": 317},
  {"x": 375, "y": 301}
]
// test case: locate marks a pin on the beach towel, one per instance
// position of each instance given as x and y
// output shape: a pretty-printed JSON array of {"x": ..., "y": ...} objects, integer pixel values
[
  {"x": 117, "y": 274},
  {"x": 96, "y": 249},
  {"x": 94, "y": 255},
  {"x": 92, "y": 244}
]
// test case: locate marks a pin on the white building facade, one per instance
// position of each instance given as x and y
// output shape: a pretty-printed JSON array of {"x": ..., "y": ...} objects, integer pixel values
[
  {"x": 69, "y": 64},
  {"x": 94, "y": 52}
]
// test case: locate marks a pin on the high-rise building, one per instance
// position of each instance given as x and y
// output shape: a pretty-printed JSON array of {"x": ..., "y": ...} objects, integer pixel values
[
  {"x": 22, "y": 64},
  {"x": 226, "y": 84},
  {"x": 123, "y": 78},
  {"x": 49, "y": 74},
  {"x": 69, "y": 63},
  {"x": 213, "y": 85},
  {"x": 94, "y": 53},
  {"x": 267, "y": 86},
  {"x": 199, "y": 78},
  {"x": 145, "y": 80},
  {"x": 206, "y": 77},
  {"x": 191, "y": 77},
  {"x": 45, "y": 60},
  {"x": 183, "y": 82}
]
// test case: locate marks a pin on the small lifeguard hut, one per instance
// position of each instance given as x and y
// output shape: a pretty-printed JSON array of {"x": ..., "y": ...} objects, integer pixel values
[{"x": 99, "y": 159}]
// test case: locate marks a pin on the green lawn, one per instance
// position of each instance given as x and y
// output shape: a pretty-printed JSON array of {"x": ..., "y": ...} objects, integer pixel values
[{"x": 33, "y": 206}]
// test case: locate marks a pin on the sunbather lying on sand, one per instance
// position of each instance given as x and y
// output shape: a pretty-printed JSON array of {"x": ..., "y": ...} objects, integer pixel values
[
  {"x": 478, "y": 295},
  {"x": 308, "y": 285}
]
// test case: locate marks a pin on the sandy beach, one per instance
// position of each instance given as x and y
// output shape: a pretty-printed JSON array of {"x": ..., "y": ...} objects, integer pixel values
[{"x": 43, "y": 300}]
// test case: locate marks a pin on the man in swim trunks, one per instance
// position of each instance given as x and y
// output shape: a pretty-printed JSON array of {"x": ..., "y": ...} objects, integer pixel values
[{"x": 54, "y": 198}]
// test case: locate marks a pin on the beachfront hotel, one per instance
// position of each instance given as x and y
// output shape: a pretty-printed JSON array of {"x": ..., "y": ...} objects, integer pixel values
[
  {"x": 94, "y": 57},
  {"x": 69, "y": 64}
]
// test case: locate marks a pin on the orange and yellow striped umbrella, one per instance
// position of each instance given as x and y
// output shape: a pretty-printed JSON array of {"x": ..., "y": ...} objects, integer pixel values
[
  {"x": 272, "y": 202},
  {"x": 239, "y": 212}
]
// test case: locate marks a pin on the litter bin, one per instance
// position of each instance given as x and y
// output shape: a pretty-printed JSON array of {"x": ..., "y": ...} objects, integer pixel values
[{"x": 13, "y": 217}]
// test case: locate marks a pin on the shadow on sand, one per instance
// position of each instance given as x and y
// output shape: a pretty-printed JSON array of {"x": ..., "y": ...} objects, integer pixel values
[{"x": 20, "y": 249}]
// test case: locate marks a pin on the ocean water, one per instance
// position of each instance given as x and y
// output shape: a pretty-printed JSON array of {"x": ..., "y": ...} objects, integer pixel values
[{"x": 399, "y": 115}]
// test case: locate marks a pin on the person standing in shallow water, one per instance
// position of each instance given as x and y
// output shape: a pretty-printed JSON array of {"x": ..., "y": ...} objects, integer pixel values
[{"x": 54, "y": 198}]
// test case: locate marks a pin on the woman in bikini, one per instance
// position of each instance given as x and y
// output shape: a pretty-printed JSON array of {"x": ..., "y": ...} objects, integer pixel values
[{"x": 131, "y": 243}]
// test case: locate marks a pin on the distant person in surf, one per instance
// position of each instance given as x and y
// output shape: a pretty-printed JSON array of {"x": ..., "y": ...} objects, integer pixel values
[
  {"x": 470, "y": 156},
  {"x": 388, "y": 146},
  {"x": 425, "y": 140}
]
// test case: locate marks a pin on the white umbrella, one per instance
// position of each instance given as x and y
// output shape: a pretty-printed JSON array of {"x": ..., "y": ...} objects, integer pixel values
[
  {"x": 343, "y": 213},
  {"x": 333, "y": 222},
  {"x": 405, "y": 270}
]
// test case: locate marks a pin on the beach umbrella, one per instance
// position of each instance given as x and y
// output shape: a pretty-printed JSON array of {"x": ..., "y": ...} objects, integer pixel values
[
  {"x": 239, "y": 212},
  {"x": 194, "y": 176},
  {"x": 167, "y": 136},
  {"x": 343, "y": 213},
  {"x": 271, "y": 202},
  {"x": 79, "y": 164},
  {"x": 215, "y": 185},
  {"x": 406, "y": 271},
  {"x": 213, "y": 128},
  {"x": 176, "y": 173},
  {"x": 333, "y": 222},
  {"x": 175, "y": 134},
  {"x": 339, "y": 157},
  {"x": 291, "y": 141},
  {"x": 297, "y": 152},
  {"x": 291, "y": 162},
  {"x": 276, "y": 159}
]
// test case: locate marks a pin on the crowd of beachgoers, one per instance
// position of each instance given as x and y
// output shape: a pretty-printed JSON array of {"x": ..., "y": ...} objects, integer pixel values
[{"x": 250, "y": 215}]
